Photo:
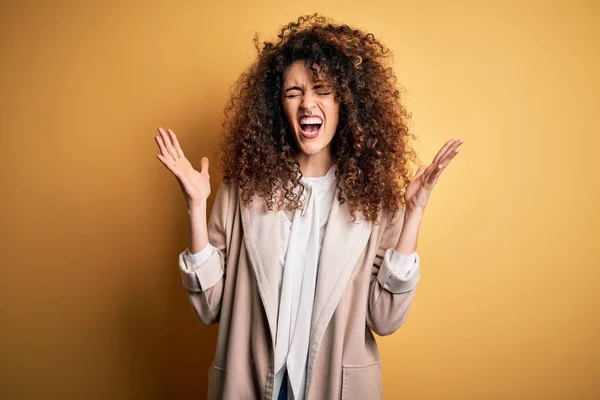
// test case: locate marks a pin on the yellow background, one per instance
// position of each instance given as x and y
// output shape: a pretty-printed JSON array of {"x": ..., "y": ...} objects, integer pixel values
[{"x": 92, "y": 305}]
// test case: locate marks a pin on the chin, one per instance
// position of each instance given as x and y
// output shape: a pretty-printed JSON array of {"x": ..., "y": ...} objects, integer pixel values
[{"x": 310, "y": 148}]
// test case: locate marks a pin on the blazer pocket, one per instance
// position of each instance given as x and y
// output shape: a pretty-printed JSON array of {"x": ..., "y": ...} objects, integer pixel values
[
  {"x": 360, "y": 382},
  {"x": 216, "y": 381}
]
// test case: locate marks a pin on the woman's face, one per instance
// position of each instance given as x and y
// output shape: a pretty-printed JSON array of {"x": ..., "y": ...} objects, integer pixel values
[{"x": 310, "y": 109}]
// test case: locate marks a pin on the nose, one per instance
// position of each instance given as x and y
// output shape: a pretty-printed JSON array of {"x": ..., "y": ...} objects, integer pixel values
[{"x": 308, "y": 101}]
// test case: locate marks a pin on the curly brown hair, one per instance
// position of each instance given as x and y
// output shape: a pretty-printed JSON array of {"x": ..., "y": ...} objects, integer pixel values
[{"x": 371, "y": 145}]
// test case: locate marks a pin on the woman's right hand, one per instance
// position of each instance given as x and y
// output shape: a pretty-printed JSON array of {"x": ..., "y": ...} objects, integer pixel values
[{"x": 195, "y": 185}]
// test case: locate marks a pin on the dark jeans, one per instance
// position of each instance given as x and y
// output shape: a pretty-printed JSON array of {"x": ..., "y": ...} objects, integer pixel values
[{"x": 284, "y": 385}]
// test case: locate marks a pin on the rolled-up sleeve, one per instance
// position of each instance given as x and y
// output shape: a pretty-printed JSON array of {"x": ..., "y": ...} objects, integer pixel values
[
  {"x": 201, "y": 271},
  {"x": 399, "y": 273}
]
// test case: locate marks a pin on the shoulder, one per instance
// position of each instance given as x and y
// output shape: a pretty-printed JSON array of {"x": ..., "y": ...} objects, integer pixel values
[
  {"x": 225, "y": 198},
  {"x": 227, "y": 189}
]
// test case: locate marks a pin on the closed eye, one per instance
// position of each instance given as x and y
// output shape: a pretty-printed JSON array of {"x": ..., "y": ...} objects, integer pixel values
[{"x": 291, "y": 96}]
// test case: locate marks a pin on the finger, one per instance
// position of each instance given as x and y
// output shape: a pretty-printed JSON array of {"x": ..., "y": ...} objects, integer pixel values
[
  {"x": 433, "y": 178},
  {"x": 444, "y": 150},
  {"x": 449, "y": 157},
  {"x": 431, "y": 181},
  {"x": 176, "y": 143},
  {"x": 163, "y": 150},
  {"x": 427, "y": 172},
  {"x": 419, "y": 172},
  {"x": 167, "y": 164},
  {"x": 168, "y": 144},
  {"x": 204, "y": 166},
  {"x": 450, "y": 153},
  {"x": 452, "y": 149}
]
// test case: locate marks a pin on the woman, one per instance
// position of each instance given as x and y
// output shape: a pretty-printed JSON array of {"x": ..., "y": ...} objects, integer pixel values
[{"x": 311, "y": 242}]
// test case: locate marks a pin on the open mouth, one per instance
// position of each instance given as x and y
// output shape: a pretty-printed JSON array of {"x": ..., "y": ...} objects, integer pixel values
[{"x": 310, "y": 127}]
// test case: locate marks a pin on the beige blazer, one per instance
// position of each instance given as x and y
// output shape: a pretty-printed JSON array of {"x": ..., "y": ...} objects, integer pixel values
[{"x": 357, "y": 293}]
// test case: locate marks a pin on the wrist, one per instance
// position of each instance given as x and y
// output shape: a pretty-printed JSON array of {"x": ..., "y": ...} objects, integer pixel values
[
  {"x": 195, "y": 208},
  {"x": 407, "y": 243}
]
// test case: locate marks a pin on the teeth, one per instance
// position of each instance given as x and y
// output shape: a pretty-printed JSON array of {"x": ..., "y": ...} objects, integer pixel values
[{"x": 310, "y": 121}]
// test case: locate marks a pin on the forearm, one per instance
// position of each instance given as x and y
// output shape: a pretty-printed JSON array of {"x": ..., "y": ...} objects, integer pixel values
[
  {"x": 198, "y": 227},
  {"x": 407, "y": 244},
  {"x": 393, "y": 280}
]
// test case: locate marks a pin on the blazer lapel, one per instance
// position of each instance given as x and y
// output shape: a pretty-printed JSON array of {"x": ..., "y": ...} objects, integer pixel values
[
  {"x": 343, "y": 245},
  {"x": 262, "y": 237}
]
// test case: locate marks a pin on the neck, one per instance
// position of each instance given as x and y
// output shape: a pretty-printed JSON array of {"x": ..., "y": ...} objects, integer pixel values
[{"x": 313, "y": 165}]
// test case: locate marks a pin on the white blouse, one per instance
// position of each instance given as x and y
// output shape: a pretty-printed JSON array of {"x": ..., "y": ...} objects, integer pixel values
[{"x": 302, "y": 236}]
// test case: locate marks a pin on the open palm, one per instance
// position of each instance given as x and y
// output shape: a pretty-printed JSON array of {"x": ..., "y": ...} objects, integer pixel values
[
  {"x": 195, "y": 185},
  {"x": 419, "y": 189}
]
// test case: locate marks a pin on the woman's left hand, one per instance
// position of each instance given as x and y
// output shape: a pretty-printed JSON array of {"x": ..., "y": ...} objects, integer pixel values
[{"x": 419, "y": 188}]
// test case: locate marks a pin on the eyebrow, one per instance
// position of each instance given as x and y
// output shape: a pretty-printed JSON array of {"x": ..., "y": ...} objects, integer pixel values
[
  {"x": 293, "y": 88},
  {"x": 317, "y": 86}
]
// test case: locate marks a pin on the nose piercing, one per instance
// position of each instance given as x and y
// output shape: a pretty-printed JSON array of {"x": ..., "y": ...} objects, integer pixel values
[{"x": 308, "y": 111}]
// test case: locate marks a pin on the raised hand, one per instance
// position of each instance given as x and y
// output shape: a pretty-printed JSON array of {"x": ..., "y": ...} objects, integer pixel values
[
  {"x": 419, "y": 189},
  {"x": 195, "y": 185}
]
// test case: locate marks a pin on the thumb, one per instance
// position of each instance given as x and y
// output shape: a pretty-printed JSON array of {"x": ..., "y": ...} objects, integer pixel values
[
  {"x": 204, "y": 165},
  {"x": 419, "y": 172}
]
